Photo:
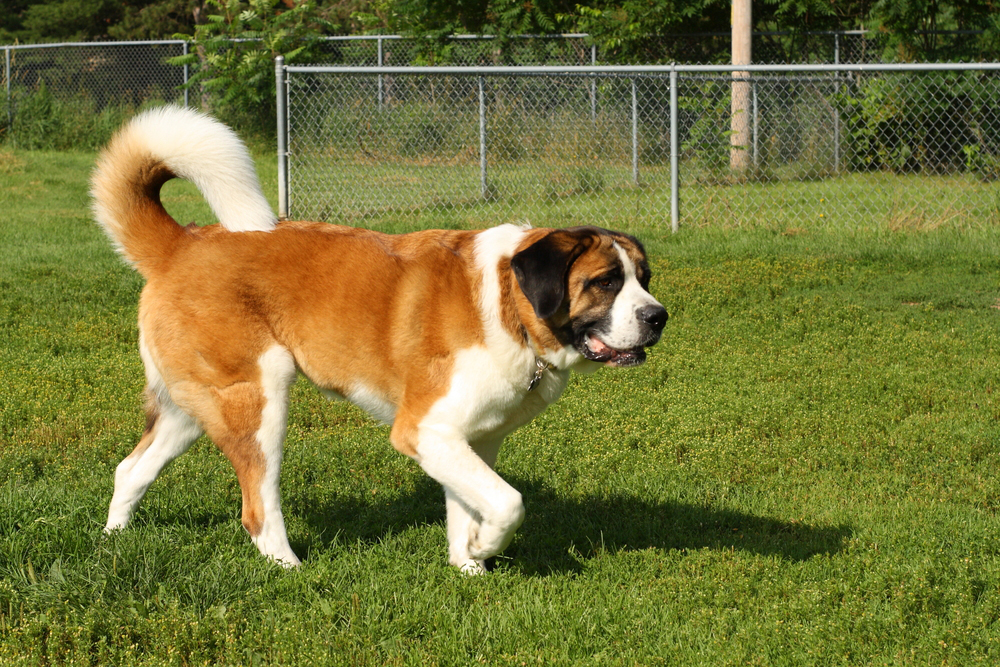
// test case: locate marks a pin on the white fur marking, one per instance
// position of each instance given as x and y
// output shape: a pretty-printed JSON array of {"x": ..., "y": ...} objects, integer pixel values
[
  {"x": 372, "y": 402},
  {"x": 626, "y": 329},
  {"x": 481, "y": 406},
  {"x": 277, "y": 372},
  {"x": 487, "y": 400},
  {"x": 331, "y": 395},
  {"x": 172, "y": 436},
  {"x": 493, "y": 245},
  {"x": 463, "y": 524},
  {"x": 367, "y": 399},
  {"x": 173, "y": 433},
  {"x": 202, "y": 150},
  {"x": 483, "y": 494}
]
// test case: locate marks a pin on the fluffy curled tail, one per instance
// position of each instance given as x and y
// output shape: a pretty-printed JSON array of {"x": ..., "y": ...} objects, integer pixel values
[{"x": 165, "y": 143}]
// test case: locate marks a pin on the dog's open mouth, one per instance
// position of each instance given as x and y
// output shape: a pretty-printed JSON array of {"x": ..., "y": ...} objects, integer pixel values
[{"x": 595, "y": 349}]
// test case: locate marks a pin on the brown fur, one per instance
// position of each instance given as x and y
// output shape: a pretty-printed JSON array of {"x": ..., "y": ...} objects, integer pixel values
[{"x": 344, "y": 301}]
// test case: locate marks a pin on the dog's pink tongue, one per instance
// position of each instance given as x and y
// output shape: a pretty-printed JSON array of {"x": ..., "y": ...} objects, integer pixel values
[{"x": 597, "y": 346}]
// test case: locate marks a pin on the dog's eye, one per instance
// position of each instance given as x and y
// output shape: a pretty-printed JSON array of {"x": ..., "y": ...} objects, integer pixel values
[{"x": 605, "y": 282}]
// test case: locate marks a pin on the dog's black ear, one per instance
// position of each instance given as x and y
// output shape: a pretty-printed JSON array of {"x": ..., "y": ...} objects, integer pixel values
[{"x": 541, "y": 269}]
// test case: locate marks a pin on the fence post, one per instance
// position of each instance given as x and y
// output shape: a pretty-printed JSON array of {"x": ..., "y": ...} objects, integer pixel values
[
  {"x": 10, "y": 107},
  {"x": 281, "y": 93},
  {"x": 674, "y": 156},
  {"x": 186, "y": 104},
  {"x": 593, "y": 84},
  {"x": 381, "y": 89},
  {"x": 836, "y": 110},
  {"x": 756, "y": 161},
  {"x": 483, "y": 188},
  {"x": 635, "y": 136}
]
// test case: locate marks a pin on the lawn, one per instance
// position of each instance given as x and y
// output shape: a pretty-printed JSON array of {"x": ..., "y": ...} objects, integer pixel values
[
  {"x": 804, "y": 473},
  {"x": 556, "y": 192}
]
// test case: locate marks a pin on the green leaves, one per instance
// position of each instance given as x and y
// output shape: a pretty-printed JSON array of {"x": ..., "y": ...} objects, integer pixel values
[{"x": 234, "y": 51}]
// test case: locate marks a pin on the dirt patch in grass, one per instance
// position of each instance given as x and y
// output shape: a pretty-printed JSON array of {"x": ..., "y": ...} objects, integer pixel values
[{"x": 10, "y": 163}]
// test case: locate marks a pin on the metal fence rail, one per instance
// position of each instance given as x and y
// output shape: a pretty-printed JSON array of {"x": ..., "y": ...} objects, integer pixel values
[{"x": 890, "y": 145}]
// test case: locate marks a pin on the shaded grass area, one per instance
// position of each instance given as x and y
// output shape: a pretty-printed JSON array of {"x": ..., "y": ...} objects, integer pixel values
[{"x": 803, "y": 473}]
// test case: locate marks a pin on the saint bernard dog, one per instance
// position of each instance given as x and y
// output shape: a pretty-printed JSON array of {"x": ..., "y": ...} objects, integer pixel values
[{"x": 455, "y": 338}]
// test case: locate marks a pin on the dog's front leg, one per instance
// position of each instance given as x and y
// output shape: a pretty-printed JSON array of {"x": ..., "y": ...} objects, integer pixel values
[
  {"x": 484, "y": 511},
  {"x": 463, "y": 524}
]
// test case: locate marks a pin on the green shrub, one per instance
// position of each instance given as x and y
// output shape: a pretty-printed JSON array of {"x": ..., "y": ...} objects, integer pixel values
[
  {"x": 233, "y": 57},
  {"x": 981, "y": 162},
  {"x": 924, "y": 122},
  {"x": 704, "y": 115},
  {"x": 44, "y": 121}
]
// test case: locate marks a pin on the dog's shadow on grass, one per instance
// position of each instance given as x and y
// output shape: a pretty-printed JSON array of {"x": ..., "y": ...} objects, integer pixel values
[{"x": 560, "y": 534}]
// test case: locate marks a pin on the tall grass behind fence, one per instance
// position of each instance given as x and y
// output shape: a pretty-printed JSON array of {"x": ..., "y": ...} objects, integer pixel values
[
  {"x": 75, "y": 95},
  {"x": 891, "y": 148}
]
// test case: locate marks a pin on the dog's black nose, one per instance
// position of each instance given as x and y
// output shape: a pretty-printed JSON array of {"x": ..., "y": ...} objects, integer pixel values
[{"x": 654, "y": 316}]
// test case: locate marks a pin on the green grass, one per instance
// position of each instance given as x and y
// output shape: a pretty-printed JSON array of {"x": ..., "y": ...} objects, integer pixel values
[
  {"x": 555, "y": 192},
  {"x": 804, "y": 473}
]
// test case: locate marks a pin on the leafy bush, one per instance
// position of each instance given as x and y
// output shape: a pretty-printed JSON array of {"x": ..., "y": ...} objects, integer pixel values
[
  {"x": 925, "y": 122},
  {"x": 984, "y": 164},
  {"x": 233, "y": 57},
  {"x": 44, "y": 121}
]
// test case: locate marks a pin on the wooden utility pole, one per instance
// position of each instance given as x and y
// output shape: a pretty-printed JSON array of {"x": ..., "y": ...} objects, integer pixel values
[{"x": 739, "y": 140}]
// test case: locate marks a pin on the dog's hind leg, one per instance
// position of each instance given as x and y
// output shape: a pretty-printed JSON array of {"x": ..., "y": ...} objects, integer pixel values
[
  {"x": 169, "y": 433},
  {"x": 247, "y": 422}
]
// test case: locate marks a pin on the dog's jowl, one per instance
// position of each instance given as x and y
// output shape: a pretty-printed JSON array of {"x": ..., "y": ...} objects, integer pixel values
[{"x": 455, "y": 338}]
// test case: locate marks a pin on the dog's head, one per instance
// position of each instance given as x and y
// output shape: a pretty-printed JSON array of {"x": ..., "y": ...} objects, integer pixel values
[{"x": 590, "y": 287}]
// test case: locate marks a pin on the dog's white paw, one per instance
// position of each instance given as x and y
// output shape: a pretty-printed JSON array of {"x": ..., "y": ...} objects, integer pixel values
[
  {"x": 114, "y": 526},
  {"x": 288, "y": 561},
  {"x": 473, "y": 568}
]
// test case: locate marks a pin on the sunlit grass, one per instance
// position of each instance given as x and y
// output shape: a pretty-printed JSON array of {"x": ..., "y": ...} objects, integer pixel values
[
  {"x": 805, "y": 471},
  {"x": 555, "y": 192}
]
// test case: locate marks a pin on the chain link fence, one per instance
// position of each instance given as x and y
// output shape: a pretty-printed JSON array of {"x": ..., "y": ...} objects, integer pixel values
[
  {"x": 99, "y": 75},
  {"x": 74, "y": 95},
  {"x": 107, "y": 73},
  {"x": 771, "y": 48},
  {"x": 830, "y": 47},
  {"x": 831, "y": 145},
  {"x": 783, "y": 146},
  {"x": 131, "y": 72}
]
